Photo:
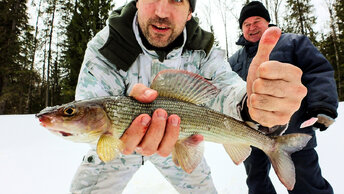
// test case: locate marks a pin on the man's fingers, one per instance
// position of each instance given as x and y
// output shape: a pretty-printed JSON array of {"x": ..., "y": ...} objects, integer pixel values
[
  {"x": 155, "y": 133},
  {"x": 269, "y": 119},
  {"x": 171, "y": 136},
  {"x": 274, "y": 70},
  {"x": 271, "y": 103},
  {"x": 134, "y": 134},
  {"x": 267, "y": 43},
  {"x": 143, "y": 93},
  {"x": 277, "y": 88}
]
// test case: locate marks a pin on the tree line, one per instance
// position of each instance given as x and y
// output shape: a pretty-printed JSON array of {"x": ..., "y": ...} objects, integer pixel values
[{"x": 40, "y": 62}]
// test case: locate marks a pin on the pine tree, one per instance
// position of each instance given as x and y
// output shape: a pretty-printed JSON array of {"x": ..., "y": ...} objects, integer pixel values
[
  {"x": 300, "y": 19},
  {"x": 331, "y": 46},
  {"x": 339, "y": 9},
  {"x": 15, "y": 56},
  {"x": 87, "y": 19},
  {"x": 30, "y": 96}
]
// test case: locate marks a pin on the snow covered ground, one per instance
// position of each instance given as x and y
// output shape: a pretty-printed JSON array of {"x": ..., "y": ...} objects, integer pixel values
[{"x": 34, "y": 161}]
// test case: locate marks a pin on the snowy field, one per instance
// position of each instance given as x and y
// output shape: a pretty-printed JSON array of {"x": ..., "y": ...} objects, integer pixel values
[{"x": 34, "y": 161}]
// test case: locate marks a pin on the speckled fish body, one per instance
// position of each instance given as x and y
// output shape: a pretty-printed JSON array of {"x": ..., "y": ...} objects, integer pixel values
[
  {"x": 214, "y": 126},
  {"x": 103, "y": 120}
]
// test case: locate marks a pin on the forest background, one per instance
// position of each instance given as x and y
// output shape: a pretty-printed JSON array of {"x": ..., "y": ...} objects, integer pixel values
[{"x": 42, "y": 42}]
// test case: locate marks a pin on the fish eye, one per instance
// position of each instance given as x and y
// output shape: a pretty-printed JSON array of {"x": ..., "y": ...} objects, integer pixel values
[{"x": 69, "y": 111}]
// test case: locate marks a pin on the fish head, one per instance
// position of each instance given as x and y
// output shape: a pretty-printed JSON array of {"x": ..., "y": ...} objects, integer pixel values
[{"x": 81, "y": 121}]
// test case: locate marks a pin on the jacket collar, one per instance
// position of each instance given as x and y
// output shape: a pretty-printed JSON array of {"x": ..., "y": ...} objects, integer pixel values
[{"x": 122, "y": 47}]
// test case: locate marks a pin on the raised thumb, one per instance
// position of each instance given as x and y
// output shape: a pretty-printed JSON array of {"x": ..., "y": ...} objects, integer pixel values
[{"x": 267, "y": 43}]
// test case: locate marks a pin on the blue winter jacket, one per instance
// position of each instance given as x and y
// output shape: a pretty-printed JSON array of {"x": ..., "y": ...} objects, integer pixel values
[{"x": 318, "y": 77}]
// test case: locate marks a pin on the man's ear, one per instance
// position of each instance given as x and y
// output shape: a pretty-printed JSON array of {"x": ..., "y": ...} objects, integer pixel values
[{"x": 189, "y": 15}]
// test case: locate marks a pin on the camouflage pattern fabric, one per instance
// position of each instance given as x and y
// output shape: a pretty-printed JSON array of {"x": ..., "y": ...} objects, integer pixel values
[{"x": 98, "y": 77}]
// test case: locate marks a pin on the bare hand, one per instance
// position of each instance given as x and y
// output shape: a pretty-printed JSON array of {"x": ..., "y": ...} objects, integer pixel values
[
  {"x": 274, "y": 89},
  {"x": 149, "y": 135}
]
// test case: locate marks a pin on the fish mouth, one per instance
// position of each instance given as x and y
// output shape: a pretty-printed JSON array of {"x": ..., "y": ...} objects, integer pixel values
[
  {"x": 45, "y": 121},
  {"x": 63, "y": 133}
]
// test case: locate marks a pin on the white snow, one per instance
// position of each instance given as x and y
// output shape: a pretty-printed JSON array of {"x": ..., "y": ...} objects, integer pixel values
[{"x": 34, "y": 161}]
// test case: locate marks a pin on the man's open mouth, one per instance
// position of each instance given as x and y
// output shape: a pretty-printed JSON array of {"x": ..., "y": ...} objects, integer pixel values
[
  {"x": 255, "y": 33},
  {"x": 160, "y": 27}
]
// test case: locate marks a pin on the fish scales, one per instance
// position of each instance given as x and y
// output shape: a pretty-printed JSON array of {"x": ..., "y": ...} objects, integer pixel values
[
  {"x": 103, "y": 120},
  {"x": 194, "y": 120}
]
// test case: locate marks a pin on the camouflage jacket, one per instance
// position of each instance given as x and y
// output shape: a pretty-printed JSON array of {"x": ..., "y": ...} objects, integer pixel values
[{"x": 105, "y": 73}]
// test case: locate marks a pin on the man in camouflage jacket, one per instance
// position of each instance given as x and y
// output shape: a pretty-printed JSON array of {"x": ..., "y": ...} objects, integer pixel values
[{"x": 141, "y": 39}]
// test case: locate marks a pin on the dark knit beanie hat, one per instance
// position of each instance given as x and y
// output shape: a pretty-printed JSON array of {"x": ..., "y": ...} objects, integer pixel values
[{"x": 254, "y": 8}]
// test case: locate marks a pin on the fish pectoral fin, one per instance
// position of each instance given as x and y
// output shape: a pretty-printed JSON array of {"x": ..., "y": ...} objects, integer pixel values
[
  {"x": 187, "y": 155},
  {"x": 108, "y": 147},
  {"x": 237, "y": 152}
]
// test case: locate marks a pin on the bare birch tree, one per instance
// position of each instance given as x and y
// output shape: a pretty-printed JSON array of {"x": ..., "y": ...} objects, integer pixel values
[
  {"x": 50, "y": 51},
  {"x": 29, "y": 97},
  {"x": 224, "y": 10},
  {"x": 274, "y": 9}
]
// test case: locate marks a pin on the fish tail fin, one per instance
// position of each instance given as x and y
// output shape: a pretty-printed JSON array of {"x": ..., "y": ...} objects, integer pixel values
[{"x": 280, "y": 156}]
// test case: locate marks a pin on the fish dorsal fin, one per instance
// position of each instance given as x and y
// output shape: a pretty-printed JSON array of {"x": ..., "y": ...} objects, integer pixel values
[
  {"x": 184, "y": 85},
  {"x": 237, "y": 152}
]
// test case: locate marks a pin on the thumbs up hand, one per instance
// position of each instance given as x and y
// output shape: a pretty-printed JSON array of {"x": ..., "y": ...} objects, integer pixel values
[{"x": 274, "y": 89}]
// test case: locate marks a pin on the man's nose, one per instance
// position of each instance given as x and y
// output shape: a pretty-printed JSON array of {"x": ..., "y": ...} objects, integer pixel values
[
  {"x": 163, "y": 9},
  {"x": 253, "y": 26}
]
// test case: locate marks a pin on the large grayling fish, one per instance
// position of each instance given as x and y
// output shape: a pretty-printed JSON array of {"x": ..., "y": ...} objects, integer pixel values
[{"x": 103, "y": 120}]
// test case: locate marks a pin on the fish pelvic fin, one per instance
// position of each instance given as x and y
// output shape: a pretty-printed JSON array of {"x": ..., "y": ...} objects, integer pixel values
[
  {"x": 280, "y": 157},
  {"x": 185, "y": 86},
  {"x": 187, "y": 155},
  {"x": 237, "y": 152},
  {"x": 108, "y": 147}
]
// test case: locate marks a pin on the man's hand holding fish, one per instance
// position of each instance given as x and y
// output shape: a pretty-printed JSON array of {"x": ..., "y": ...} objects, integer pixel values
[{"x": 157, "y": 134}]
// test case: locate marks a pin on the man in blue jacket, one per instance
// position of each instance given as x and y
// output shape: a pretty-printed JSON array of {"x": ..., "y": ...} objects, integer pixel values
[{"x": 321, "y": 101}]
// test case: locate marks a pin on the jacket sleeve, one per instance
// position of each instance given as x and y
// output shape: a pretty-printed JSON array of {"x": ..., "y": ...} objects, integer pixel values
[
  {"x": 233, "y": 59},
  {"x": 232, "y": 87},
  {"x": 318, "y": 77},
  {"x": 98, "y": 77}
]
